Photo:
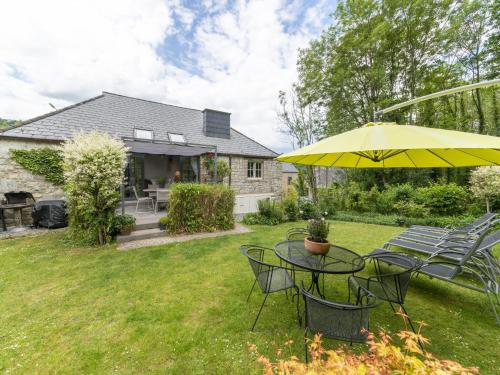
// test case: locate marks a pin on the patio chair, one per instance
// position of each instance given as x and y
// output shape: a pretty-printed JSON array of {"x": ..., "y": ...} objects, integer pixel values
[
  {"x": 146, "y": 200},
  {"x": 487, "y": 219},
  {"x": 390, "y": 286},
  {"x": 452, "y": 248},
  {"x": 335, "y": 320},
  {"x": 271, "y": 278},
  {"x": 296, "y": 234},
  {"x": 162, "y": 196},
  {"x": 477, "y": 275}
]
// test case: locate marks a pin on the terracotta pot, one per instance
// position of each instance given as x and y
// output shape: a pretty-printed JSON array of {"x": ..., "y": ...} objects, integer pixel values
[
  {"x": 126, "y": 231},
  {"x": 319, "y": 248}
]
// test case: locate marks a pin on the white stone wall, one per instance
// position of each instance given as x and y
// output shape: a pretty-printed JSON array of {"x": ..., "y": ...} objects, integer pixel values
[{"x": 13, "y": 177}]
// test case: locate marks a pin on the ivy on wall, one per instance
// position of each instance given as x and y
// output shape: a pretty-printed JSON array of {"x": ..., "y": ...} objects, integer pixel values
[{"x": 46, "y": 162}]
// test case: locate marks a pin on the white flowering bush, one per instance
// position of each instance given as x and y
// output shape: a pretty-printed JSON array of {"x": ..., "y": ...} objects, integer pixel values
[
  {"x": 93, "y": 170},
  {"x": 485, "y": 184}
]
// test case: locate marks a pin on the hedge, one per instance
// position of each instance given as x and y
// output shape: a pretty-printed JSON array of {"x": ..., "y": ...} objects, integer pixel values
[{"x": 200, "y": 208}]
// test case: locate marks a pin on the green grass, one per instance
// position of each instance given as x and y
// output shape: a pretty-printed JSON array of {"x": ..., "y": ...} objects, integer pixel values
[{"x": 181, "y": 308}]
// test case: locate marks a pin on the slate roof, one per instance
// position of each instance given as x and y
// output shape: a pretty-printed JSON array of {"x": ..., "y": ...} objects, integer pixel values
[
  {"x": 118, "y": 115},
  {"x": 289, "y": 168}
]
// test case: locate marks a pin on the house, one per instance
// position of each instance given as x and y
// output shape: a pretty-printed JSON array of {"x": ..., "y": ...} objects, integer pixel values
[
  {"x": 163, "y": 141},
  {"x": 289, "y": 175}
]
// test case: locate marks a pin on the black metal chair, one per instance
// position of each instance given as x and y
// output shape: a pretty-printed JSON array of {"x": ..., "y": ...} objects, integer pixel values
[
  {"x": 390, "y": 286},
  {"x": 270, "y": 277},
  {"x": 296, "y": 234},
  {"x": 334, "y": 320}
]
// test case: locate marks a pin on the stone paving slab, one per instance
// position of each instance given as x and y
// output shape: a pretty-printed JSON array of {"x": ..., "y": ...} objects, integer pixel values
[{"x": 238, "y": 229}]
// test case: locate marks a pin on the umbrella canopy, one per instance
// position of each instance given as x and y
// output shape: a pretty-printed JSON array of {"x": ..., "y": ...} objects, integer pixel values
[{"x": 389, "y": 145}]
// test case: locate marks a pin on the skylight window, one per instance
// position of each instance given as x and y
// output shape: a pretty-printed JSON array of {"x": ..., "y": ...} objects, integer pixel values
[
  {"x": 143, "y": 134},
  {"x": 177, "y": 138}
]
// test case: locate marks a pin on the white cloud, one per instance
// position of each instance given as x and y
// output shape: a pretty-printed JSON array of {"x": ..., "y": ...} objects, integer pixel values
[{"x": 62, "y": 52}]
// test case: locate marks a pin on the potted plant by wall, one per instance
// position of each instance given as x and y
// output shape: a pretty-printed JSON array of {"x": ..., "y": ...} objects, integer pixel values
[
  {"x": 317, "y": 242},
  {"x": 124, "y": 224},
  {"x": 161, "y": 182},
  {"x": 162, "y": 223}
]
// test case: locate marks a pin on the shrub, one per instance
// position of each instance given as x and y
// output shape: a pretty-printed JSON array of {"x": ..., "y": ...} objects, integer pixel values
[
  {"x": 291, "y": 208},
  {"x": 443, "y": 199},
  {"x": 223, "y": 169},
  {"x": 46, "y": 162},
  {"x": 123, "y": 223},
  {"x": 270, "y": 211},
  {"x": 329, "y": 200},
  {"x": 485, "y": 184},
  {"x": 411, "y": 209},
  {"x": 93, "y": 170},
  {"x": 383, "y": 357},
  {"x": 318, "y": 229},
  {"x": 200, "y": 208},
  {"x": 252, "y": 218},
  {"x": 307, "y": 209}
]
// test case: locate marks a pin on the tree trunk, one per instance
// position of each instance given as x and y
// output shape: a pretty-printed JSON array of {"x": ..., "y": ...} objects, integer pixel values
[{"x": 487, "y": 205}]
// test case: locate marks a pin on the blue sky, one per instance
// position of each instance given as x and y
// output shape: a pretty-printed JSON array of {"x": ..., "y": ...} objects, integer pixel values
[{"x": 225, "y": 54}]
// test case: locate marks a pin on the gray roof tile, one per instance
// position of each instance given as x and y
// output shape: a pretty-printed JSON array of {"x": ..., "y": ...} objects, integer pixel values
[{"x": 119, "y": 115}]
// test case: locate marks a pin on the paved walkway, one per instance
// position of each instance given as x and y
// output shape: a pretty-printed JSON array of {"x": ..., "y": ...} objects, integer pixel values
[{"x": 238, "y": 229}]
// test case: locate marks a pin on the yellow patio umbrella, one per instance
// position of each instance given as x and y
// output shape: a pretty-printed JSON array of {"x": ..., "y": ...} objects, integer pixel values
[{"x": 389, "y": 145}]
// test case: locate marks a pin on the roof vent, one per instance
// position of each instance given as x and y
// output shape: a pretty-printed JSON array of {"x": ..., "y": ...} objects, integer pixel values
[{"x": 216, "y": 124}]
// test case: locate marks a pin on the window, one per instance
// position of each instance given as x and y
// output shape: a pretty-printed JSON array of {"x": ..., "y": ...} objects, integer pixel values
[
  {"x": 143, "y": 134},
  {"x": 254, "y": 169},
  {"x": 177, "y": 138}
]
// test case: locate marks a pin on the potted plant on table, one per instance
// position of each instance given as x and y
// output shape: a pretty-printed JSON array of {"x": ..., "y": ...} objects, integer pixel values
[
  {"x": 317, "y": 242},
  {"x": 161, "y": 182}
]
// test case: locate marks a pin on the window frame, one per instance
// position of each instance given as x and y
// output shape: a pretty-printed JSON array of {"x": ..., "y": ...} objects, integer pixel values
[
  {"x": 254, "y": 168},
  {"x": 176, "y": 134},
  {"x": 136, "y": 136}
]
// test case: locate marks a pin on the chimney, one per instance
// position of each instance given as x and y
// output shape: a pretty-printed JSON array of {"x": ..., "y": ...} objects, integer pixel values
[{"x": 216, "y": 124}]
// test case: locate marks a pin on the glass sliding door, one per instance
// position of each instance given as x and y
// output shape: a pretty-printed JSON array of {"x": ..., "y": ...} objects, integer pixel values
[
  {"x": 134, "y": 175},
  {"x": 189, "y": 168}
]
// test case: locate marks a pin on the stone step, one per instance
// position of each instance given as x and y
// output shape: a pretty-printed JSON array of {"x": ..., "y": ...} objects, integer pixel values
[
  {"x": 141, "y": 235},
  {"x": 149, "y": 225}
]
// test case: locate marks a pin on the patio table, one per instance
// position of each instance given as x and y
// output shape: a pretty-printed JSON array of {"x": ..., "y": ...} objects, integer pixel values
[{"x": 338, "y": 260}]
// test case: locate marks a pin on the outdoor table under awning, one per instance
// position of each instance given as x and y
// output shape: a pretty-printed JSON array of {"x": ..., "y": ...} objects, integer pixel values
[{"x": 165, "y": 148}]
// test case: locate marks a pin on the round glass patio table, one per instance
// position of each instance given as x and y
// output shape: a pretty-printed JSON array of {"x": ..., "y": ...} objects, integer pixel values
[{"x": 338, "y": 260}]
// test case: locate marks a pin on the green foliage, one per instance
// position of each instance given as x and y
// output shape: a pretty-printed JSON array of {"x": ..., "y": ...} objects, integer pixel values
[
  {"x": 308, "y": 209},
  {"x": 93, "y": 167},
  {"x": 411, "y": 209},
  {"x": 5, "y": 123},
  {"x": 485, "y": 185},
  {"x": 318, "y": 229},
  {"x": 123, "y": 223},
  {"x": 46, "y": 162},
  {"x": 223, "y": 169},
  {"x": 270, "y": 213},
  {"x": 443, "y": 199},
  {"x": 200, "y": 208},
  {"x": 300, "y": 183},
  {"x": 291, "y": 208},
  {"x": 376, "y": 218}
]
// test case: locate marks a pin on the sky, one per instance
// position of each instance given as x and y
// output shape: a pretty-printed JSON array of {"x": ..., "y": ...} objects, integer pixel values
[{"x": 233, "y": 56}]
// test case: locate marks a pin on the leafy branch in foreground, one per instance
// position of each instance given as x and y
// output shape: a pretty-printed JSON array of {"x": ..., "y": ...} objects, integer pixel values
[{"x": 382, "y": 357}]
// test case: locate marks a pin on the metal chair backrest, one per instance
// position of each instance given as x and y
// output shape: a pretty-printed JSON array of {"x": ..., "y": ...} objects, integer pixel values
[
  {"x": 338, "y": 320},
  {"x": 135, "y": 193},
  {"x": 19, "y": 197},
  {"x": 395, "y": 283},
  {"x": 296, "y": 234},
  {"x": 476, "y": 246},
  {"x": 263, "y": 271},
  {"x": 162, "y": 195}
]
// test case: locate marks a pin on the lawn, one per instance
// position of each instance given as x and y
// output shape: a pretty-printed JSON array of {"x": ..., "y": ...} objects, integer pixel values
[{"x": 181, "y": 308}]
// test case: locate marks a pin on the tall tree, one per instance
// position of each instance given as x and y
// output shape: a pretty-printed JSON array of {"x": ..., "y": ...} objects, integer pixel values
[{"x": 304, "y": 124}]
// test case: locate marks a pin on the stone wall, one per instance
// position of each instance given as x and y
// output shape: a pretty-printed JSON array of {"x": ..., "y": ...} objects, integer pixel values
[
  {"x": 13, "y": 177},
  {"x": 271, "y": 181}
]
